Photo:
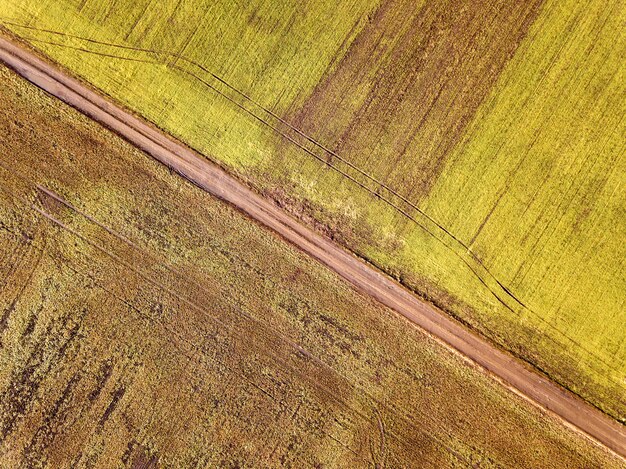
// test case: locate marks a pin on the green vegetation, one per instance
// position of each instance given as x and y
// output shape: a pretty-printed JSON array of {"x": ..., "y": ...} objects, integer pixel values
[
  {"x": 501, "y": 126},
  {"x": 143, "y": 322}
]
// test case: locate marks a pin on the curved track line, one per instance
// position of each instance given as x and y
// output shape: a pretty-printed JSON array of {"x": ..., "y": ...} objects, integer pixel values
[{"x": 208, "y": 176}]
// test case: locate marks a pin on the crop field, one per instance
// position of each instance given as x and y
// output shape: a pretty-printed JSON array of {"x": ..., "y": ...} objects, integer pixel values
[
  {"x": 472, "y": 150},
  {"x": 145, "y": 322}
]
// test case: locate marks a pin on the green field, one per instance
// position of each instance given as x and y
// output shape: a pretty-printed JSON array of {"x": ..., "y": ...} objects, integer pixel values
[
  {"x": 144, "y": 321},
  {"x": 472, "y": 150}
]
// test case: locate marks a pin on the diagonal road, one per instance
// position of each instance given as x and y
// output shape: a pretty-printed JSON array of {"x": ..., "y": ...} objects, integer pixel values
[{"x": 208, "y": 176}]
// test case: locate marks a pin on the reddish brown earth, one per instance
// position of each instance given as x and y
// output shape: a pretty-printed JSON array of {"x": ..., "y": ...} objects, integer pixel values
[{"x": 215, "y": 181}]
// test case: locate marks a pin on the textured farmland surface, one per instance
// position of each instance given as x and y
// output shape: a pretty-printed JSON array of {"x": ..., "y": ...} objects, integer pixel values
[
  {"x": 401, "y": 96},
  {"x": 144, "y": 322},
  {"x": 542, "y": 173},
  {"x": 473, "y": 150}
]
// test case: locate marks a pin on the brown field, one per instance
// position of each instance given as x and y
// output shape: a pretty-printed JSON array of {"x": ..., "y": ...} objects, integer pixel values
[{"x": 144, "y": 322}]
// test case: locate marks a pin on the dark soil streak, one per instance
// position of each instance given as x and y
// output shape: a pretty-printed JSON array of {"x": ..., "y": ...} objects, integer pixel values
[
  {"x": 4, "y": 321},
  {"x": 143, "y": 461},
  {"x": 45, "y": 434},
  {"x": 117, "y": 395},
  {"x": 106, "y": 370}
]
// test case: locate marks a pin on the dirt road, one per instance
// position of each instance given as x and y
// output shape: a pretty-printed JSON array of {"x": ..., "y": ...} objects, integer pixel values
[{"x": 214, "y": 180}]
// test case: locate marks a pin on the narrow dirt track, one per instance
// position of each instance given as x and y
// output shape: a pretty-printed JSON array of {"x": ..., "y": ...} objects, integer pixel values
[{"x": 208, "y": 176}]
